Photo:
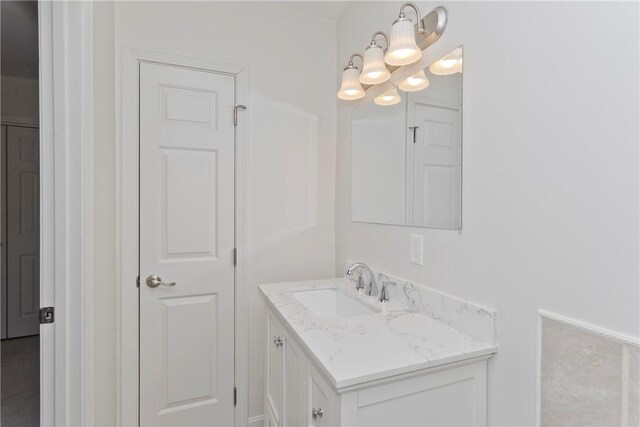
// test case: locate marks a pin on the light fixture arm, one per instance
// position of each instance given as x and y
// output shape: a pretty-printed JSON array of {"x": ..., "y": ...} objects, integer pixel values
[
  {"x": 350, "y": 65},
  {"x": 380, "y": 33},
  {"x": 416, "y": 10},
  {"x": 353, "y": 56}
]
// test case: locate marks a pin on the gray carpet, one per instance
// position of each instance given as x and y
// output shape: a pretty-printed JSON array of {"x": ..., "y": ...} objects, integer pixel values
[{"x": 20, "y": 382}]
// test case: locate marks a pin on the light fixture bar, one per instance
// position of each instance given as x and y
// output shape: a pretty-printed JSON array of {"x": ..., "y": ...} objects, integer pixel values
[
  {"x": 427, "y": 31},
  {"x": 433, "y": 25}
]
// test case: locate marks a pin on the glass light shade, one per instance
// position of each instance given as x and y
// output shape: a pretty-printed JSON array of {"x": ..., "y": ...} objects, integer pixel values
[
  {"x": 374, "y": 70},
  {"x": 449, "y": 64},
  {"x": 390, "y": 97},
  {"x": 351, "y": 88},
  {"x": 415, "y": 83},
  {"x": 403, "y": 49}
]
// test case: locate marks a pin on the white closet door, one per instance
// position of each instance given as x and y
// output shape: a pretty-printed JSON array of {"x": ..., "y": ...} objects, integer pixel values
[
  {"x": 3, "y": 234},
  {"x": 23, "y": 231},
  {"x": 186, "y": 237}
]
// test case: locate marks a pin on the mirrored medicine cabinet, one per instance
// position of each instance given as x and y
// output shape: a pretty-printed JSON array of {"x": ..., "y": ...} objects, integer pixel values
[{"x": 406, "y": 160}]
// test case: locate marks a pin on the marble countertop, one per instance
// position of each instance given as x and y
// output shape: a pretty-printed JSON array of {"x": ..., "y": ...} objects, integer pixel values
[{"x": 354, "y": 350}]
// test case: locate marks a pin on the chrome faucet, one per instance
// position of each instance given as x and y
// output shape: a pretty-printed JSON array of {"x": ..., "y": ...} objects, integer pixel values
[{"x": 371, "y": 287}]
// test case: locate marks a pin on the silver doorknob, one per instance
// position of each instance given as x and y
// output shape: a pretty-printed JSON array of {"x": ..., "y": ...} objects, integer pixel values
[
  {"x": 317, "y": 413},
  {"x": 154, "y": 281}
]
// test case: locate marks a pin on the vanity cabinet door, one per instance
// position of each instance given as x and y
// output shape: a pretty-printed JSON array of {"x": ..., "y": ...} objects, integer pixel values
[
  {"x": 321, "y": 399},
  {"x": 275, "y": 369},
  {"x": 296, "y": 402}
]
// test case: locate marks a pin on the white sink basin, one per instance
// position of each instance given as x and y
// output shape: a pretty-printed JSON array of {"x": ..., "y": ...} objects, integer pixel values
[{"x": 331, "y": 303}]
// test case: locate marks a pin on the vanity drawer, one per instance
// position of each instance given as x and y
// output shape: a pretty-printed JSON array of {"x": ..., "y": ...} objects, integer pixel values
[{"x": 454, "y": 396}]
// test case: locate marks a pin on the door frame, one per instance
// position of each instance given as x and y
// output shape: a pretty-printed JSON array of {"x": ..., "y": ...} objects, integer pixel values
[
  {"x": 65, "y": 50},
  {"x": 127, "y": 230}
]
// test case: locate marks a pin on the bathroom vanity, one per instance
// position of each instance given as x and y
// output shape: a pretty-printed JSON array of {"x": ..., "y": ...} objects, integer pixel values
[{"x": 335, "y": 356}]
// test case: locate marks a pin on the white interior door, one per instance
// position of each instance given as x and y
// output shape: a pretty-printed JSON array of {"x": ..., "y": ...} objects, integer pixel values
[
  {"x": 435, "y": 171},
  {"x": 3, "y": 234},
  {"x": 23, "y": 231},
  {"x": 186, "y": 237}
]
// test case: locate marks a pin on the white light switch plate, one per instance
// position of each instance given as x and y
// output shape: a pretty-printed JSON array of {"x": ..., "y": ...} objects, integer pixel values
[{"x": 417, "y": 245}]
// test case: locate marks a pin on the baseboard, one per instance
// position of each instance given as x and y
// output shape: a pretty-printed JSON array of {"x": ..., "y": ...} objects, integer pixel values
[{"x": 256, "y": 421}]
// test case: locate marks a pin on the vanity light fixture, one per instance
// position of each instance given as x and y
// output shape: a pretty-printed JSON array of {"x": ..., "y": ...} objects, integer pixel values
[
  {"x": 403, "y": 49},
  {"x": 404, "y": 46},
  {"x": 374, "y": 70},
  {"x": 415, "y": 83},
  {"x": 351, "y": 88},
  {"x": 450, "y": 64},
  {"x": 390, "y": 97}
]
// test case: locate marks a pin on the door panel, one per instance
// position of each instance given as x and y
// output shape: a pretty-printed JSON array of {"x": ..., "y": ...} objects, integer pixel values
[
  {"x": 186, "y": 237},
  {"x": 191, "y": 375},
  {"x": 23, "y": 231},
  {"x": 189, "y": 204}
]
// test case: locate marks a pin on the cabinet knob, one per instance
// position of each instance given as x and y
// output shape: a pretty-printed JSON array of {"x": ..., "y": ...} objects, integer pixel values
[
  {"x": 317, "y": 413},
  {"x": 278, "y": 341}
]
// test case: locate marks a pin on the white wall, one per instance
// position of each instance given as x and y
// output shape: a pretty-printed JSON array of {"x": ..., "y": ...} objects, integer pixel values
[
  {"x": 551, "y": 175},
  {"x": 19, "y": 99},
  {"x": 292, "y": 113}
]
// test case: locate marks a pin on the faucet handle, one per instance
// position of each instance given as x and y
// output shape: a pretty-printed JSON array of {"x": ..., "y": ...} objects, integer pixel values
[{"x": 384, "y": 292}]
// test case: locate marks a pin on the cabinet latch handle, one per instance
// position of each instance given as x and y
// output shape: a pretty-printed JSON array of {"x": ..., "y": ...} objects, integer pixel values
[{"x": 278, "y": 341}]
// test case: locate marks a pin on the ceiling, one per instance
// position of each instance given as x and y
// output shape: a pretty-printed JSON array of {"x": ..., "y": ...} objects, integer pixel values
[
  {"x": 19, "y": 39},
  {"x": 331, "y": 10}
]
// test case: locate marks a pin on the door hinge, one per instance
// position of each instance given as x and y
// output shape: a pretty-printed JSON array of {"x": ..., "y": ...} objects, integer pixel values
[
  {"x": 235, "y": 256},
  {"x": 138, "y": 282},
  {"x": 235, "y": 396},
  {"x": 46, "y": 315},
  {"x": 235, "y": 113}
]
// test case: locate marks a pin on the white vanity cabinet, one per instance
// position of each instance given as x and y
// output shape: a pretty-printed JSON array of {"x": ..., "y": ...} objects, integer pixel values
[{"x": 297, "y": 394}]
